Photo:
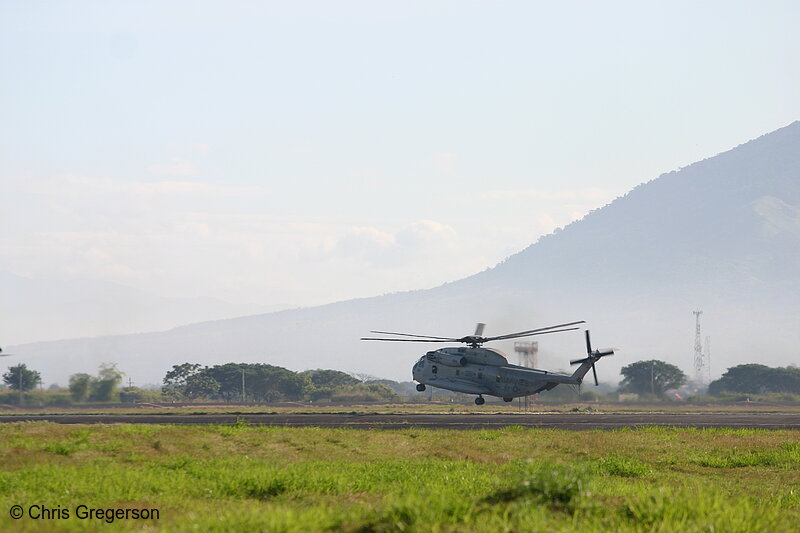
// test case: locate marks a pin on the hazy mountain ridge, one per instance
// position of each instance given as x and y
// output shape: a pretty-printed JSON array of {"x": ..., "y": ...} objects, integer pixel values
[
  {"x": 740, "y": 199},
  {"x": 81, "y": 308},
  {"x": 722, "y": 234}
]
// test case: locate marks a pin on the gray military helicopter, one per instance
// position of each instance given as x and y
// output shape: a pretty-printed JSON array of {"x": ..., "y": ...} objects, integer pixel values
[{"x": 477, "y": 370}]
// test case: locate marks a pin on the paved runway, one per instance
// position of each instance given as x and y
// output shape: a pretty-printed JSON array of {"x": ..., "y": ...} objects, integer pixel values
[{"x": 570, "y": 421}]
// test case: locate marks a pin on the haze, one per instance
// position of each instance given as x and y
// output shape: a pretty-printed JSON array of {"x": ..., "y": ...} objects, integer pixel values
[{"x": 260, "y": 156}]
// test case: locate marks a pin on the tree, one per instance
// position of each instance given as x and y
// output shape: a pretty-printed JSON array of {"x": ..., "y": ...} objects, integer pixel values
[
  {"x": 362, "y": 392},
  {"x": 262, "y": 383},
  {"x": 190, "y": 380},
  {"x": 179, "y": 374},
  {"x": 200, "y": 385},
  {"x": 20, "y": 378},
  {"x": 757, "y": 379},
  {"x": 330, "y": 378},
  {"x": 651, "y": 377},
  {"x": 104, "y": 388},
  {"x": 80, "y": 386}
]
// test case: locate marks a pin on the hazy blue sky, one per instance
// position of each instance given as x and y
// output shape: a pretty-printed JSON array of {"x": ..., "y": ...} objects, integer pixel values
[{"x": 303, "y": 152}]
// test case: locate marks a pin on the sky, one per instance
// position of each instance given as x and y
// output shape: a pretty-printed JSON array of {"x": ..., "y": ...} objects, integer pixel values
[{"x": 298, "y": 153}]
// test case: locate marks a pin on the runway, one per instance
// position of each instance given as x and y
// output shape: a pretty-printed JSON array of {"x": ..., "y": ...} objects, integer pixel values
[{"x": 567, "y": 421}]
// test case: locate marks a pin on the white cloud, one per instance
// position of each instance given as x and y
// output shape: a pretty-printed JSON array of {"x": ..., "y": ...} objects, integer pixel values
[
  {"x": 71, "y": 185},
  {"x": 427, "y": 233},
  {"x": 183, "y": 238},
  {"x": 202, "y": 148},
  {"x": 177, "y": 166},
  {"x": 546, "y": 210},
  {"x": 444, "y": 162},
  {"x": 364, "y": 242},
  {"x": 591, "y": 195},
  {"x": 424, "y": 238}
]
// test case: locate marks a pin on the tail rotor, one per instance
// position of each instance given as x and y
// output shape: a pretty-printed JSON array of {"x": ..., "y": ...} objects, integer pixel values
[{"x": 592, "y": 356}]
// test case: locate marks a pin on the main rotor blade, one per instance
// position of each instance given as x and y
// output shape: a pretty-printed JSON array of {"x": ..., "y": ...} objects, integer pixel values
[
  {"x": 407, "y": 340},
  {"x": 595, "y": 376},
  {"x": 410, "y": 335},
  {"x": 588, "y": 343},
  {"x": 479, "y": 329},
  {"x": 525, "y": 334},
  {"x": 533, "y": 331}
]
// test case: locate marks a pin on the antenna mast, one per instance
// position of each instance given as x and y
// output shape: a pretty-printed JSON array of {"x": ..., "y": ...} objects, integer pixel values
[{"x": 699, "y": 362}]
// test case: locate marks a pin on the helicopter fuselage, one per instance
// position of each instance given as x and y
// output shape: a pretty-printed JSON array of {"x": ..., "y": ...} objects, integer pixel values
[{"x": 477, "y": 370}]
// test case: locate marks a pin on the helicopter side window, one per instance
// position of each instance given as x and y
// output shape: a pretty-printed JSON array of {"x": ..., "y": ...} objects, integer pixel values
[{"x": 434, "y": 369}]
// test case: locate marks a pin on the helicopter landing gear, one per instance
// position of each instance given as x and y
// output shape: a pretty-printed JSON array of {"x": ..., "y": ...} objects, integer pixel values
[
  {"x": 479, "y": 400},
  {"x": 421, "y": 387},
  {"x": 506, "y": 399}
]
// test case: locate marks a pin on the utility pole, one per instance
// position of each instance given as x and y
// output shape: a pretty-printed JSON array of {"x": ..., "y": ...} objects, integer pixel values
[
  {"x": 653, "y": 377},
  {"x": 243, "y": 396}
]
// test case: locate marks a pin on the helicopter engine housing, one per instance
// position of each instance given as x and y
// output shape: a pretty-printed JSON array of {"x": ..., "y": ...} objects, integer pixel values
[{"x": 447, "y": 359}]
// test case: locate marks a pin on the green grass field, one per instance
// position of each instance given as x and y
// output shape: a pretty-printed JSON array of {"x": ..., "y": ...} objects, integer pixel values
[
  {"x": 492, "y": 406},
  {"x": 239, "y": 478}
]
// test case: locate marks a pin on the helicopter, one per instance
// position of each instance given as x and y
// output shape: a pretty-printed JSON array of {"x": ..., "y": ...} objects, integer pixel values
[{"x": 486, "y": 371}]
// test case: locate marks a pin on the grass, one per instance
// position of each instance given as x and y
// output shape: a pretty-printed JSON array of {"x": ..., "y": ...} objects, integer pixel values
[
  {"x": 243, "y": 478},
  {"x": 492, "y": 406}
]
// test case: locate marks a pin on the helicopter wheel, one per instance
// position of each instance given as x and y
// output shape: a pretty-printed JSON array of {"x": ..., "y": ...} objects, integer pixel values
[
  {"x": 479, "y": 400},
  {"x": 420, "y": 387},
  {"x": 507, "y": 399}
]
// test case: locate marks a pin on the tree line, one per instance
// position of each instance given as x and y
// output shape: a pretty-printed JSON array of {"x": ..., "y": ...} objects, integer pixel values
[
  {"x": 263, "y": 383},
  {"x": 757, "y": 379},
  {"x": 656, "y": 377}
]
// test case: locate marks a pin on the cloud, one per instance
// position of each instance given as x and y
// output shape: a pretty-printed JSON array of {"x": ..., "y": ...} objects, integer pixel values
[
  {"x": 591, "y": 195},
  {"x": 177, "y": 166},
  {"x": 184, "y": 237},
  {"x": 549, "y": 209},
  {"x": 364, "y": 242},
  {"x": 385, "y": 250},
  {"x": 426, "y": 233},
  {"x": 71, "y": 185},
  {"x": 202, "y": 148},
  {"x": 444, "y": 162}
]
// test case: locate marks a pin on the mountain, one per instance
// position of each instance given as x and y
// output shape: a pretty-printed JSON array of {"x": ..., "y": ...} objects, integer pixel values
[
  {"x": 85, "y": 308},
  {"x": 721, "y": 235}
]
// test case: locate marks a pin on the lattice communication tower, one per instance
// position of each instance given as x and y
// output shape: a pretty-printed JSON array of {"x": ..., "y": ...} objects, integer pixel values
[{"x": 528, "y": 354}]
